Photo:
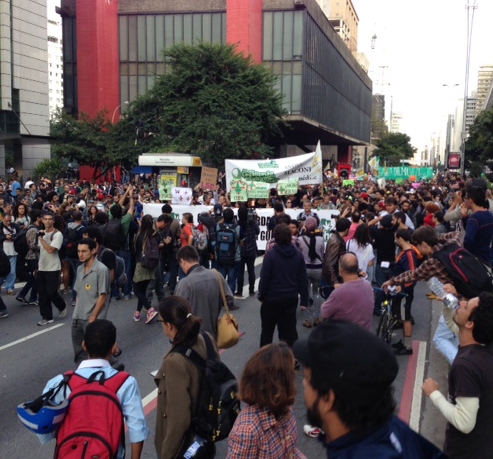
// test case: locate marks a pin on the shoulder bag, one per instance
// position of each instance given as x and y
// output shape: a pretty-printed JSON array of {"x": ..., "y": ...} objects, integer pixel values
[{"x": 227, "y": 327}]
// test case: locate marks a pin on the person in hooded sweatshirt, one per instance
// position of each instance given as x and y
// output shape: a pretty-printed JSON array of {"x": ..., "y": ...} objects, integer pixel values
[{"x": 283, "y": 278}]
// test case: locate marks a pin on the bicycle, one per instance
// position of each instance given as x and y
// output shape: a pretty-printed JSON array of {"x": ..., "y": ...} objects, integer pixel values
[{"x": 388, "y": 320}]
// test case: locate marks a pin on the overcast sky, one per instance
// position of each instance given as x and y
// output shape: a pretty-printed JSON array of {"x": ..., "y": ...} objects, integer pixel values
[{"x": 422, "y": 44}]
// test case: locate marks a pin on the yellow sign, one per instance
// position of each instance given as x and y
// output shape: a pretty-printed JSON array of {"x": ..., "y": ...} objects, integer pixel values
[
  {"x": 197, "y": 162},
  {"x": 183, "y": 170}
]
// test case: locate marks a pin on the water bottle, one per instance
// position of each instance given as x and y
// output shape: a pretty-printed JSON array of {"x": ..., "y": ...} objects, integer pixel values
[{"x": 437, "y": 288}]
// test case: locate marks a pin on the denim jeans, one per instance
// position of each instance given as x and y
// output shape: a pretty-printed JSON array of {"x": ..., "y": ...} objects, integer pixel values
[
  {"x": 231, "y": 273},
  {"x": 445, "y": 341},
  {"x": 11, "y": 276},
  {"x": 127, "y": 258}
]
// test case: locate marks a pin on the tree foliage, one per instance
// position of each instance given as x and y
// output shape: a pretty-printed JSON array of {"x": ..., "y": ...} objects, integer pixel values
[
  {"x": 378, "y": 128},
  {"x": 89, "y": 141},
  {"x": 479, "y": 145},
  {"x": 394, "y": 147},
  {"x": 214, "y": 103},
  {"x": 50, "y": 168}
]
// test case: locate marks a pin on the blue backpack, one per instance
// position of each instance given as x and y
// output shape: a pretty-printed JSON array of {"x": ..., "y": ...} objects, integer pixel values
[{"x": 226, "y": 245}]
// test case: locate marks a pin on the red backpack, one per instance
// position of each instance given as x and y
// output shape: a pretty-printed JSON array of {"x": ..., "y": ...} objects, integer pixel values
[{"x": 93, "y": 426}]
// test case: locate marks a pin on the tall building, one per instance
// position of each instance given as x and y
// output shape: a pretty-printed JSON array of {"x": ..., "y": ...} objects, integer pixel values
[
  {"x": 55, "y": 53},
  {"x": 24, "y": 112},
  {"x": 396, "y": 122},
  {"x": 485, "y": 80},
  {"x": 343, "y": 17},
  {"x": 449, "y": 136},
  {"x": 471, "y": 107},
  {"x": 326, "y": 93}
]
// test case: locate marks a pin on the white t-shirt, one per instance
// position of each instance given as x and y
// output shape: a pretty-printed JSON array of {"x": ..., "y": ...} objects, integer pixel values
[
  {"x": 363, "y": 254},
  {"x": 50, "y": 261}
]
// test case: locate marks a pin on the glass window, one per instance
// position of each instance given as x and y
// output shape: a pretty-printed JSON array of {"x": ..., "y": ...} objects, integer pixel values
[
  {"x": 287, "y": 53},
  {"x": 142, "y": 84},
  {"x": 267, "y": 37},
  {"x": 141, "y": 26},
  {"x": 224, "y": 26},
  {"x": 123, "y": 89},
  {"x": 123, "y": 38},
  {"x": 159, "y": 36},
  {"x": 168, "y": 31},
  {"x": 286, "y": 92},
  {"x": 298, "y": 33},
  {"x": 132, "y": 88},
  {"x": 150, "y": 81},
  {"x": 187, "y": 28},
  {"x": 132, "y": 38},
  {"x": 178, "y": 23},
  {"x": 207, "y": 27},
  {"x": 197, "y": 28},
  {"x": 151, "y": 38},
  {"x": 277, "y": 55},
  {"x": 216, "y": 28}
]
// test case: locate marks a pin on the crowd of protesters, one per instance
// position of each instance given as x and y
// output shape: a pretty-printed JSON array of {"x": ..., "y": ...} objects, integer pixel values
[{"x": 384, "y": 235}]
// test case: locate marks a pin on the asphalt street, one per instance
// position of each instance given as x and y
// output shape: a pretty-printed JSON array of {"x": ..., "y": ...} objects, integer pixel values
[{"x": 31, "y": 355}]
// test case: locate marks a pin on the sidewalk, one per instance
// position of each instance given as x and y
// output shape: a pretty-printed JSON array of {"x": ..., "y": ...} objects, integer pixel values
[{"x": 432, "y": 421}]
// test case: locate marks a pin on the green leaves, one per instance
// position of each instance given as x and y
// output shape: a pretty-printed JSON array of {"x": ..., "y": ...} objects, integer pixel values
[
  {"x": 394, "y": 147},
  {"x": 479, "y": 145}
]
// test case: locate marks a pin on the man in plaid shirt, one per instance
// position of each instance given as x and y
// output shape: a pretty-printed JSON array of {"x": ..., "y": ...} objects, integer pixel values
[{"x": 427, "y": 242}]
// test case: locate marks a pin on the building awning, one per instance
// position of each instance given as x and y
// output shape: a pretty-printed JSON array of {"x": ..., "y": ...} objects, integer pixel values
[{"x": 174, "y": 160}]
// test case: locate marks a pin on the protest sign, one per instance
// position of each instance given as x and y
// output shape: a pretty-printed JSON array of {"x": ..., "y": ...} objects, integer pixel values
[
  {"x": 258, "y": 190},
  {"x": 208, "y": 179},
  {"x": 181, "y": 196},
  {"x": 238, "y": 191},
  {"x": 166, "y": 183},
  {"x": 287, "y": 187},
  {"x": 348, "y": 182},
  {"x": 307, "y": 169}
]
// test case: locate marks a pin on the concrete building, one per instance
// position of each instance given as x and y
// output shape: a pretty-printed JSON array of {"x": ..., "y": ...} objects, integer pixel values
[
  {"x": 396, "y": 122},
  {"x": 112, "y": 54},
  {"x": 55, "y": 53},
  {"x": 471, "y": 107},
  {"x": 24, "y": 112},
  {"x": 343, "y": 17},
  {"x": 485, "y": 83}
]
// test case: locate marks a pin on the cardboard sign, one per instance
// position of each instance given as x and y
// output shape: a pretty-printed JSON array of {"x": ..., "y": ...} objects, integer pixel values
[
  {"x": 258, "y": 190},
  {"x": 166, "y": 183},
  {"x": 287, "y": 187},
  {"x": 208, "y": 179},
  {"x": 413, "y": 178}
]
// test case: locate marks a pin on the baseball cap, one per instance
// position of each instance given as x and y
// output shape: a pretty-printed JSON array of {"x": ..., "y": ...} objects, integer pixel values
[{"x": 354, "y": 361}]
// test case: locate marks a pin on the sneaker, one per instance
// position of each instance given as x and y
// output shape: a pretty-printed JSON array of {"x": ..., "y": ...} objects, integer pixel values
[
  {"x": 151, "y": 313},
  {"x": 238, "y": 295},
  {"x": 4, "y": 314},
  {"x": 398, "y": 345},
  {"x": 45, "y": 322},
  {"x": 307, "y": 323},
  {"x": 21, "y": 300},
  {"x": 66, "y": 291},
  {"x": 251, "y": 292},
  {"x": 33, "y": 303},
  {"x": 72, "y": 303},
  {"x": 137, "y": 316},
  {"x": 403, "y": 351},
  {"x": 10, "y": 292},
  {"x": 316, "y": 322},
  {"x": 312, "y": 431},
  {"x": 63, "y": 313}
]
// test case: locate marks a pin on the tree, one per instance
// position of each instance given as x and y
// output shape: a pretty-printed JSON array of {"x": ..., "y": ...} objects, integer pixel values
[
  {"x": 479, "y": 145},
  {"x": 214, "y": 103},
  {"x": 378, "y": 128},
  {"x": 50, "y": 168},
  {"x": 394, "y": 147},
  {"x": 89, "y": 141}
]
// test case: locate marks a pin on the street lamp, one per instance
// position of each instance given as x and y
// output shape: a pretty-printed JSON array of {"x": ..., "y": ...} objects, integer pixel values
[{"x": 114, "y": 112}]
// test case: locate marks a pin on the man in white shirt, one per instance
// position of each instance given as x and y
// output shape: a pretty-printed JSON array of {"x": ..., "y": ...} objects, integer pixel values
[{"x": 50, "y": 242}]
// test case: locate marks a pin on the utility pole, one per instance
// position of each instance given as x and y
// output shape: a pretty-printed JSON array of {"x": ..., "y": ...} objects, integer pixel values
[{"x": 471, "y": 7}]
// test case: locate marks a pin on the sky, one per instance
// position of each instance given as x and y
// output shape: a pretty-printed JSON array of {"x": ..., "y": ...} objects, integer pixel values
[{"x": 420, "y": 46}]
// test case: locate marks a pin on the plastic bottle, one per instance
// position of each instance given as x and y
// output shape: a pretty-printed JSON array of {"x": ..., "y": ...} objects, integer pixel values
[{"x": 437, "y": 288}]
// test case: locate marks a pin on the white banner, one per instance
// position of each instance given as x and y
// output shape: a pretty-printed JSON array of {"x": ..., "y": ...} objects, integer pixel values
[
  {"x": 327, "y": 218},
  {"x": 307, "y": 169}
]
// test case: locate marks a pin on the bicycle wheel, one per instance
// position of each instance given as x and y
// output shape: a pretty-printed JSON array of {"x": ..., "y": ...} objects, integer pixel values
[
  {"x": 389, "y": 331},
  {"x": 382, "y": 325}
]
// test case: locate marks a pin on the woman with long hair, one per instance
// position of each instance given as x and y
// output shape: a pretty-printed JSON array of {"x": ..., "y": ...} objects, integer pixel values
[
  {"x": 20, "y": 214},
  {"x": 312, "y": 247},
  {"x": 146, "y": 235},
  {"x": 91, "y": 215},
  {"x": 266, "y": 427},
  {"x": 361, "y": 246},
  {"x": 178, "y": 379}
]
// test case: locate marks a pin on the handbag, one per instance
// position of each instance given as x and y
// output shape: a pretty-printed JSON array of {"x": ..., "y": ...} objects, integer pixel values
[{"x": 227, "y": 326}]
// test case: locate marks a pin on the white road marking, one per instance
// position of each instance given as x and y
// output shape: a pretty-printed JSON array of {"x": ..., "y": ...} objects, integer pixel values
[
  {"x": 5, "y": 346},
  {"x": 149, "y": 398},
  {"x": 418, "y": 393},
  {"x": 259, "y": 260}
]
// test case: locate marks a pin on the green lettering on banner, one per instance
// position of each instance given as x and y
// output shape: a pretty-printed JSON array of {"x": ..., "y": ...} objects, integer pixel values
[
  {"x": 258, "y": 190},
  {"x": 287, "y": 187},
  {"x": 238, "y": 191},
  {"x": 348, "y": 182}
]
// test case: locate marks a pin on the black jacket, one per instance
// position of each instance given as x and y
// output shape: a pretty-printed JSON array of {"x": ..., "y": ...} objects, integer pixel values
[{"x": 14, "y": 229}]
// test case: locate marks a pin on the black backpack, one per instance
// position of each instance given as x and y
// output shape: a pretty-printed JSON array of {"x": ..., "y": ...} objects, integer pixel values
[
  {"x": 218, "y": 405},
  {"x": 70, "y": 241},
  {"x": 226, "y": 245},
  {"x": 20, "y": 241},
  {"x": 468, "y": 274},
  {"x": 114, "y": 236},
  {"x": 120, "y": 272}
]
